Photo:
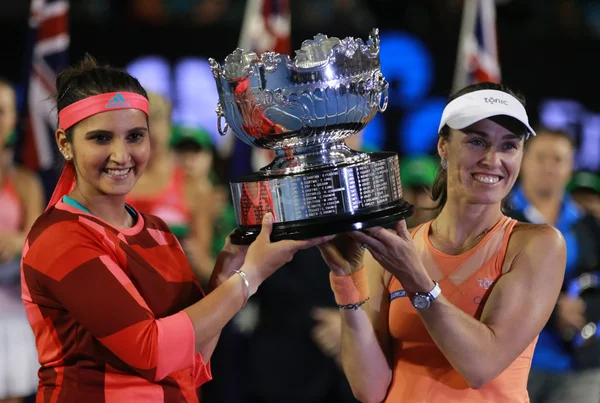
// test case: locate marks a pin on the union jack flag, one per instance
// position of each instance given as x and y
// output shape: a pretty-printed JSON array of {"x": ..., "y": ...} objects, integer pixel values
[
  {"x": 477, "y": 58},
  {"x": 266, "y": 27},
  {"x": 48, "y": 42}
]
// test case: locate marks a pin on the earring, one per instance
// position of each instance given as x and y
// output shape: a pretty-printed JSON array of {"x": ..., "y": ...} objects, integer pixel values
[
  {"x": 67, "y": 157},
  {"x": 444, "y": 163}
]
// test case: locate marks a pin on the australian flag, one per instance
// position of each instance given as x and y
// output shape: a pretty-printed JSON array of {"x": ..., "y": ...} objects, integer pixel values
[
  {"x": 46, "y": 54},
  {"x": 477, "y": 58}
]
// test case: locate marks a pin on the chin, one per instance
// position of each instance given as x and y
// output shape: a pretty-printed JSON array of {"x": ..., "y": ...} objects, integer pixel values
[
  {"x": 486, "y": 197},
  {"x": 116, "y": 190}
]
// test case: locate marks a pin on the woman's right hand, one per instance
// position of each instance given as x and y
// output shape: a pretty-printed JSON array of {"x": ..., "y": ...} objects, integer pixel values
[
  {"x": 265, "y": 257},
  {"x": 343, "y": 255}
]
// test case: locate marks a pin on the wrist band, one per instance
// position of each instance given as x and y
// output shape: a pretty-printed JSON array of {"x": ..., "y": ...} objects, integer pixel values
[
  {"x": 352, "y": 289},
  {"x": 246, "y": 285}
]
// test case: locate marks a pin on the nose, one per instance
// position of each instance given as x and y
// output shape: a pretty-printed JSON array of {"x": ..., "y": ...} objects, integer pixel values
[
  {"x": 492, "y": 158},
  {"x": 120, "y": 153}
]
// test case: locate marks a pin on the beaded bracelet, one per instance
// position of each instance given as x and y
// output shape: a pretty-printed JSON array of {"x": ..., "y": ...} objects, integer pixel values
[{"x": 354, "y": 306}]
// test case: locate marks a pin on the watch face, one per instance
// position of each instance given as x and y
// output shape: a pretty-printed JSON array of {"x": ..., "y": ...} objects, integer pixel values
[{"x": 421, "y": 302}]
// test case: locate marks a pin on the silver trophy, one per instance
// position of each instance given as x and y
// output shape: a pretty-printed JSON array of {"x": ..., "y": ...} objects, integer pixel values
[{"x": 303, "y": 109}]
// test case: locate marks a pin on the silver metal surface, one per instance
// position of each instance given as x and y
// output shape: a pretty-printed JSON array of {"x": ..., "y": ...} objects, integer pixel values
[
  {"x": 348, "y": 190},
  {"x": 302, "y": 108}
]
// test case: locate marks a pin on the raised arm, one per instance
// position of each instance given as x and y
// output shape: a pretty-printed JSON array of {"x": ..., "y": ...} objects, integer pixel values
[
  {"x": 101, "y": 298},
  {"x": 366, "y": 348},
  {"x": 516, "y": 311}
]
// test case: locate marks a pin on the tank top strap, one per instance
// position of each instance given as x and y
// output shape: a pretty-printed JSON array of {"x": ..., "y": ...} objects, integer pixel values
[
  {"x": 510, "y": 225},
  {"x": 416, "y": 229},
  {"x": 427, "y": 258}
]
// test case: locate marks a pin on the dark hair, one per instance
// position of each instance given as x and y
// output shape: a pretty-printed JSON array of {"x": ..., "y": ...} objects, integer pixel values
[
  {"x": 89, "y": 78},
  {"x": 544, "y": 131},
  {"x": 439, "y": 190}
]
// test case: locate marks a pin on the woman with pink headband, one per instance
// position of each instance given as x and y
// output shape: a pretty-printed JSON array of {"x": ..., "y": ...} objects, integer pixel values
[
  {"x": 451, "y": 310},
  {"x": 117, "y": 313}
]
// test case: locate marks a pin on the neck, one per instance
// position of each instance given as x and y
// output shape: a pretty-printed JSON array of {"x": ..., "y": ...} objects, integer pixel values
[
  {"x": 108, "y": 208},
  {"x": 460, "y": 223},
  {"x": 547, "y": 204}
]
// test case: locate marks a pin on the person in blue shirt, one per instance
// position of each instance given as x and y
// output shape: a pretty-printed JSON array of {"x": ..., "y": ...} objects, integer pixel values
[{"x": 559, "y": 372}]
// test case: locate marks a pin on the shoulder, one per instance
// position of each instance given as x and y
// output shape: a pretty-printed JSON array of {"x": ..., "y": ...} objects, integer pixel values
[
  {"x": 538, "y": 246},
  {"x": 58, "y": 242},
  {"x": 526, "y": 235}
]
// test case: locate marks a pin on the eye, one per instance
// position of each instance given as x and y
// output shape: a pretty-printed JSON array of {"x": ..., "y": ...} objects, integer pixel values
[
  {"x": 510, "y": 146},
  {"x": 477, "y": 142},
  {"x": 101, "y": 138},
  {"x": 136, "y": 136}
]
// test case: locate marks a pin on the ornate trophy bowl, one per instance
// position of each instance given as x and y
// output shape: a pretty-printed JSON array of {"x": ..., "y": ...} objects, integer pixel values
[{"x": 303, "y": 109}]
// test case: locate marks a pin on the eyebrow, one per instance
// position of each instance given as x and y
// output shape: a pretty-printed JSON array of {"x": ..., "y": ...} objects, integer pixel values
[
  {"x": 100, "y": 131},
  {"x": 509, "y": 136}
]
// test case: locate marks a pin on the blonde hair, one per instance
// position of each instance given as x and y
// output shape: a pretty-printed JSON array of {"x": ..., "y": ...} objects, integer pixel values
[{"x": 160, "y": 106}]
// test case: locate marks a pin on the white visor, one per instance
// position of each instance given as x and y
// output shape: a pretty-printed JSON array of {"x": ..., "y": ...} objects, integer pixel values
[{"x": 478, "y": 105}]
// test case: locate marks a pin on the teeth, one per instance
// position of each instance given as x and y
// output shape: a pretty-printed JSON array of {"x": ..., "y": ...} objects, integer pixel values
[
  {"x": 117, "y": 172},
  {"x": 491, "y": 179}
]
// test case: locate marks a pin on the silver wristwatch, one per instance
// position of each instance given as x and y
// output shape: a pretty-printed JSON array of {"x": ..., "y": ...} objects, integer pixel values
[{"x": 423, "y": 300}]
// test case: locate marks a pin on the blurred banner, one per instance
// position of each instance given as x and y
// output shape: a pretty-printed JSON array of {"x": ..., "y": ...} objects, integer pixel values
[
  {"x": 46, "y": 54},
  {"x": 477, "y": 57},
  {"x": 266, "y": 27}
]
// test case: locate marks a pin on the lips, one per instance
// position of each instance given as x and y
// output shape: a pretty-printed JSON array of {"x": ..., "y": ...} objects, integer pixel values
[
  {"x": 488, "y": 179},
  {"x": 117, "y": 173}
]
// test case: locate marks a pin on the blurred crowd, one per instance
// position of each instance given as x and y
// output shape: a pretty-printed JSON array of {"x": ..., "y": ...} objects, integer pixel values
[{"x": 285, "y": 344}]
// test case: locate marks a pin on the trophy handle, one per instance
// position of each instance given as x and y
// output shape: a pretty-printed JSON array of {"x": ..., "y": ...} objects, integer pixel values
[
  {"x": 220, "y": 116},
  {"x": 384, "y": 96}
]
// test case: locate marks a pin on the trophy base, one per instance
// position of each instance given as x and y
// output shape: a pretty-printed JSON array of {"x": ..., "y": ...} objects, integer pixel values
[
  {"x": 321, "y": 202},
  {"x": 318, "y": 227}
]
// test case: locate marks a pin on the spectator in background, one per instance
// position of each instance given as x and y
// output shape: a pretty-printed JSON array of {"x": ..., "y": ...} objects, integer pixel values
[
  {"x": 164, "y": 191},
  {"x": 417, "y": 175},
  {"x": 21, "y": 202},
  {"x": 195, "y": 154},
  {"x": 557, "y": 374},
  {"x": 585, "y": 189}
]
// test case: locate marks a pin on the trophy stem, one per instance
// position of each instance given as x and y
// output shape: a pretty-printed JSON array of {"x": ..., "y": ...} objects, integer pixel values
[{"x": 309, "y": 158}]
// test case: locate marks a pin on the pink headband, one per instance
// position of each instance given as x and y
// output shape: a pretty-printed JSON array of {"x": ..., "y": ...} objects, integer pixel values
[
  {"x": 83, "y": 109},
  {"x": 80, "y": 110}
]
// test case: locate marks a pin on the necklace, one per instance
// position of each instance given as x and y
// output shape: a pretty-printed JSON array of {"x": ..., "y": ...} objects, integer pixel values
[{"x": 464, "y": 247}]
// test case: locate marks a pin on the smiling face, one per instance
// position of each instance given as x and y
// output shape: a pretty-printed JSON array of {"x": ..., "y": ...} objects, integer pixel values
[
  {"x": 483, "y": 162},
  {"x": 110, "y": 151}
]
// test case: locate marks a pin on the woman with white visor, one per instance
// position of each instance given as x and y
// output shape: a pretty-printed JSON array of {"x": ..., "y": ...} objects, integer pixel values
[{"x": 450, "y": 311}]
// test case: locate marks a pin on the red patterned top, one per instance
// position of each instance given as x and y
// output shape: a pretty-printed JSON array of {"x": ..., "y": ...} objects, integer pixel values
[{"x": 105, "y": 305}]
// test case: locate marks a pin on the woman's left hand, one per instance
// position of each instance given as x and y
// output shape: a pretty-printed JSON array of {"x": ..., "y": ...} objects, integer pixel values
[{"x": 394, "y": 250}]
